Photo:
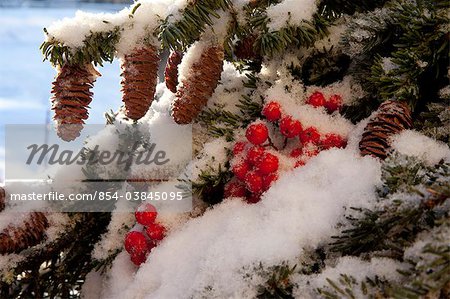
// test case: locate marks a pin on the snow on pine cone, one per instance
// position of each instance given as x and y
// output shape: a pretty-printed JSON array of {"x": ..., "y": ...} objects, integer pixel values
[
  {"x": 16, "y": 238},
  {"x": 194, "y": 92},
  {"x": 71, "y": 98},
  {"x": 139, "y": 78},
  {"x": 391, "y": 118},
  {"x": 171, "y": 71}
]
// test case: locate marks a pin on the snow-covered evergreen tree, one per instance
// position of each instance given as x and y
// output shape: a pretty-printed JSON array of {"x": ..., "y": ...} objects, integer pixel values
[{"x": 320, "y": 169}]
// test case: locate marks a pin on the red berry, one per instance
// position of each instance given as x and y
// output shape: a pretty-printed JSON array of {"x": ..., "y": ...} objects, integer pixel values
[
  {"x": 156, "y": 231},
  {"x": 317, "y": 99},
  {"x": 296, "y": 152},
  {"x": 290, "y": 127},
  {"x": 267, "y": 164},
  {"x": 257, "y": 133},
  {"x": 299, "y": 163},
  {"x": 333, "y": 140},
  {"x": 253, "y": 198},
  {"x": 272, "y": 111},
  {"x": 146, "y": 214},
  {"x": 139, "y": 258},
  {"x": 334, "y": 103},
  {"x": 268, "y": 180},
  {"x": 239, "y": 147},
  {"x": 310, "y": 135},
  {"x": 135, "y": 242},
  {"x": 240, "y": 170},
  {"x": 254, "y": 182},
  {"x": 254, "y": 154},
  {"x": 234, "y": 189},
  {"x": 311, "y": 152}
]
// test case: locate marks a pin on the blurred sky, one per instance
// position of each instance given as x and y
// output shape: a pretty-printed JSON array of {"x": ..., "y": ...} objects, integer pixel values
[{"x": 25, "y": 80}]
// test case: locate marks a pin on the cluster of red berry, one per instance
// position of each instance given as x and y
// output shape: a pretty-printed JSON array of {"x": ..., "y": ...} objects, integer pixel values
[
  {"x": 254, "y": 167},
  {"x": 139, "y": 243},
  {"x": 256, "y": 161},
  {"x": 317, "y": 99}
]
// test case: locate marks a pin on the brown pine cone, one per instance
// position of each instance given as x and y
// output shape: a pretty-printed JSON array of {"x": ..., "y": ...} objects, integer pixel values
[
  {"x": 171, "y": 71},
  {"x": 2, "y": 199},
  {"x": 71, "y": 97},
  {"x": 14, "y": 239},
  {"x": 139, "y": 78},
  {"x": 391, "y": 118},
  {"x": 194, "y": 92},
  {"x": 244, "y": 48}
]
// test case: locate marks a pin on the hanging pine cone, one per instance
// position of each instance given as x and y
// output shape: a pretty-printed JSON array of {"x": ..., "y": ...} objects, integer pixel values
[
  {"x": 29, "y": 233},
  {"x": 2, "y": 199},
  {"x": 171, "y": 71},
  {"x": 139, "y": 75},
  {"x": 193, "y": 95},
  {"x": 391, "y": 118},
  {"x": 71, "y": 97},
  {"x": 244, "y": 48}
]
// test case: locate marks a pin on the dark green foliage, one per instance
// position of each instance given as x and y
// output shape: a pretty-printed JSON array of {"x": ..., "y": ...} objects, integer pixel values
[
  {"x": 349, "y": 287},
  {"x": 278, "y": 284},
  {"x": 334, "y": 8},
  {"x": 429, "y": 271},
  {"x": 435, "y": 121},
  {"x": 413, "y": 39},
  {"x": 58, "y": 269},
  {"x": 210, "y": 184},
  {"x": 324, "y": 67},
  {"x": 222, "y": 123},
  {"x": 395, "y": 225},
  {"x": 195, "y": 17}
]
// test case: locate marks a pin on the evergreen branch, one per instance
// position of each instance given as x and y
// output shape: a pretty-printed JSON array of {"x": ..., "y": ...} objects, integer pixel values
[
  {"x": 98, "y": 47},
  {"x": 349, "y": 287},
  {"x": 210, "y": 184},
  {"x": 194, "y": 18},
  {"x": 279, "y": 284},
  {"x": 428, "y": 275},
  {"x": 394, "y": 226}
]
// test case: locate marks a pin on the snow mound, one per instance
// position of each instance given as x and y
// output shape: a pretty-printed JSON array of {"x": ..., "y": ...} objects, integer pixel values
[
  {"x": 413, "y": 143},
  {"x": 209, "y": 254}
]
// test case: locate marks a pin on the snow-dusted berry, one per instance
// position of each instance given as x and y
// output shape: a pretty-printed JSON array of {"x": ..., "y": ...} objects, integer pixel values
[
  {"x": 272, "y": 111},
  {"x": 299, "y": 163},
  {"x": 254, "y": 182},
  {"x": 138, "y": 258},
  {"x": 269, "y": 179},
  {"x": 296, "y": 152},
  {"x": 317, "y": 99},
  {"x": 257, "y": 133},
  {"x": 254, "y": 154},
  {"x": 311, "y": 152},
  {"x": 310, "y": 135},
  {"x": 239, "y": 147},
  {"x": 333, "y": 140},
  {"x": 234, "y": 189},
  {"x": 155, "y": 231},
  {"x": 135, "y": 242},
  {"x": 253, "y": 198},
  {"x": 333, "y": 103},
  {"x": 146, "y": 214},
  {"x": 240, "y": 170},
  {"x": 290, "y": 127},
  {"x": 267, "y": 164}
]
